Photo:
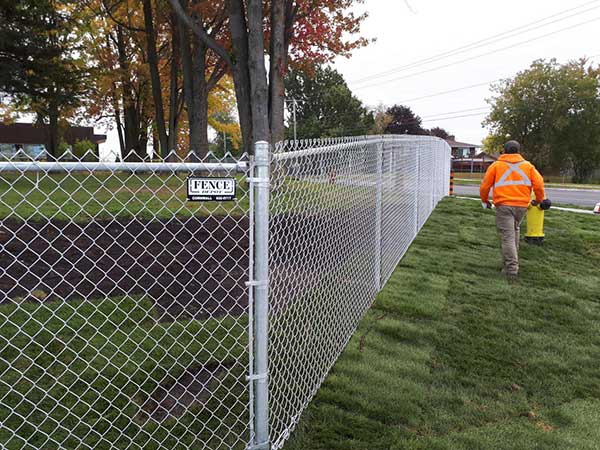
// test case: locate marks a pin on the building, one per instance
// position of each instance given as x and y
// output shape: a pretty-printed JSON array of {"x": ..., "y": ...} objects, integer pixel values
[
  {"x": 32, "y": 138},
  {"x": 479, "y": 163},
  {"x": 462, "y": 149}
]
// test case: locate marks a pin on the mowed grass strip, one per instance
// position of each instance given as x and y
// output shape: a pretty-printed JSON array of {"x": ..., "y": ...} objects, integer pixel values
[
  {"x": 451, "y": 356},
  {"x": 101, "y": 195},
  {"x": 76, "y": 375}
]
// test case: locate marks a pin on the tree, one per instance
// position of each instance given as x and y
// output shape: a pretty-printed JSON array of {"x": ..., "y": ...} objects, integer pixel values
[
  {"x": 41, "y": 72},
  {"x": 439, "y": 132},
  {"x": 328, "y": 23},
  {"x": 404, "y": 121},
  {"x": 554, "y": 111},
  {"x": 381, "y": 119},
  {"x": 325, "y": 106},
  {"x": 492, "y": 144}
]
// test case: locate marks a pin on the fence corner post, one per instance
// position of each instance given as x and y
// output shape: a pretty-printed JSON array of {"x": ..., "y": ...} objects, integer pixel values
[
  {"x": 261, "y": 185},
  {"x": 378, "y": 215}
]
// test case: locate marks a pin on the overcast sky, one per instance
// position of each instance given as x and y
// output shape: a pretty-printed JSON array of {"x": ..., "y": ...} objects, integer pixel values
[{"x": 426, "y": 28}]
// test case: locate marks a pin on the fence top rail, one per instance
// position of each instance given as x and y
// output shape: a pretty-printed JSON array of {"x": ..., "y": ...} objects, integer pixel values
[
  {"x": 294, "y": 149},
  {"x": 318, "y": 149},
  {"x": 81, "y": 166}
]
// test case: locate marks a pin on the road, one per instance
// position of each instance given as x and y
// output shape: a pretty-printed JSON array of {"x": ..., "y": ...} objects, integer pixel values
[{"x": 581, "y": 197}]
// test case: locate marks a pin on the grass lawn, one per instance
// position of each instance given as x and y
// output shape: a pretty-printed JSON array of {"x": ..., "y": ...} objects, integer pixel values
[
  {"x": 104, "y": 195},
  {"x": 451, "y": 356},
  {"x": 77, "y": 375}
]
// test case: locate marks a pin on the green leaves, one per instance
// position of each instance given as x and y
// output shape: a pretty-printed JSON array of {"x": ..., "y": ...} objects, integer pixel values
[
  {"x": 554, "y": 111},
  {"x": 325, "y": 106}
]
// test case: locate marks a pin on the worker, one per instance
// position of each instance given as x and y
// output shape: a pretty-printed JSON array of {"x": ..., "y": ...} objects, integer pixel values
[{"x": 512, "y": 179}]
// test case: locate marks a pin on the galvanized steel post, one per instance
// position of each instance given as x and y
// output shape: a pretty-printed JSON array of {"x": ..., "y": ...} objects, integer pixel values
[
  {"x": 417, "y": 187},
  {"x": 378, "y": 215},
  {"x": 260, "y": 181}
]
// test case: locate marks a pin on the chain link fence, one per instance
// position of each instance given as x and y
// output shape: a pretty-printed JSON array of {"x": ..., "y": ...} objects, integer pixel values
[
  {"x": 135, "y": 315},
  {"x": 343, "y": 213},
  {"x": 123, "y": 307}
]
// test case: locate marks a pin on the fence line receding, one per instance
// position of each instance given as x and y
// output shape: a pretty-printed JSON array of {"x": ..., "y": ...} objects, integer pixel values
[{"x": 137, "y": 315}]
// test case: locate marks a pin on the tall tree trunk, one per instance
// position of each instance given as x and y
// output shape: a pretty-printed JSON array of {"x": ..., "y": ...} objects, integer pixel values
[
  {"x": 130, "y": 115},
  {"x": 241, "y": 76},
  {"x": 117, "y": 114},
  {"x": 200, "y": 94},
  {"x": 198, "y": 112},
  {"x": 155, "y": 79},
  {"x": 278, "y": 67},
  {"x": 257, "y": 72},
  {"x": 115, "y": 104},
  {"x": 174, "y": 87}
]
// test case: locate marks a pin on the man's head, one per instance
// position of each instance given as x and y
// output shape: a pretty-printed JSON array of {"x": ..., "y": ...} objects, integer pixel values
[{"x": 512, "y": 147}]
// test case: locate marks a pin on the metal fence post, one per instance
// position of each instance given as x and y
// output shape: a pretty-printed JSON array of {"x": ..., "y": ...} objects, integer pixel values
[
  {"x": 418, "y": 187},
  {"x": 378, "y": 215},
  {"x": 260, "y": 182}
]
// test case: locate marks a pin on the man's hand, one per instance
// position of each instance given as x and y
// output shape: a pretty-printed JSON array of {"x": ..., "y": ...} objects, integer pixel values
[{"x": 486, "y": 205}]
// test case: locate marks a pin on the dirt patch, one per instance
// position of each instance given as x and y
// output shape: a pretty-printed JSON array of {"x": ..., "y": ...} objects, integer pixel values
[
  {"x": 192, "y": 267},
  {"x": 174, "y": 397}
]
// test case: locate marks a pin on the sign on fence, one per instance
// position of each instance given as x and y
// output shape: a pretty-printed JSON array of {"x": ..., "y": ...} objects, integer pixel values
[{"x": 210, "y": 189}]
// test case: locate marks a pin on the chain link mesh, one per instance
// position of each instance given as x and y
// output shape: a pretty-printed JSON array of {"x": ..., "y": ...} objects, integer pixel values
[
  {"x": 125, "y": 317},
  {"x": 343, "y": 212},
  {"x": 123, "y": 307}
]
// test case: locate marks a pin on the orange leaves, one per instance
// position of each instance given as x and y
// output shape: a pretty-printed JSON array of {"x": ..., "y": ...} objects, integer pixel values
[{"x": 325, "y": 29}]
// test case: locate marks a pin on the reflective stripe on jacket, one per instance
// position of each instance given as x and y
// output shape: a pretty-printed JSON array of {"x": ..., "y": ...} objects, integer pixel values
[{"x": 513, "y": 179}]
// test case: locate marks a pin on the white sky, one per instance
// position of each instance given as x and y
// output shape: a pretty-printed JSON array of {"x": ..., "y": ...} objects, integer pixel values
[
  {"x": 437, "y": 26},
  {"x": 429, "y": 27}
]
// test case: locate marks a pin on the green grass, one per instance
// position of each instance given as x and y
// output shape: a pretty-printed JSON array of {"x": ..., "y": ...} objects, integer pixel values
[
  {"x": 454, "y": 357},
  {"x": 79, "y": 371},
  {"x": 102, "y": 195}
]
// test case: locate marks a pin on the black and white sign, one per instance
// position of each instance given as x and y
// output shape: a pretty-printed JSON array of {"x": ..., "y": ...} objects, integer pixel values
[{"x": 210, "y": 189}]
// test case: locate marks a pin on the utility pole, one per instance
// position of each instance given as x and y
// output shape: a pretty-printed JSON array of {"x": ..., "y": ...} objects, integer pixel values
[{"x": 224, "y": 143}]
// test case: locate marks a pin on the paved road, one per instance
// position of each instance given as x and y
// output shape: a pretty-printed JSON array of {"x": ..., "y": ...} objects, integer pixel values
[{"x": 581, "y": 197}]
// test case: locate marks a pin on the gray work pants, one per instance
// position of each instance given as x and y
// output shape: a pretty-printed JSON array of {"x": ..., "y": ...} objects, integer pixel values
[{"x": 508, "y": 221}]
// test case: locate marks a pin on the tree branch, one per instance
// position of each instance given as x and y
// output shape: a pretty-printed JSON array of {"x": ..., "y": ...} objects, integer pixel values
[
  {"x": 117, "y": 21},
  {"x": 200, "y": 33},
  {"x": 218, "y": 72}
]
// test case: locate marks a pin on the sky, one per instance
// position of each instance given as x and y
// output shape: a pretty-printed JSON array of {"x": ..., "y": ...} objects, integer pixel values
[
  {"x": 437, "y": 31},
  {"x": 411, "y": 31}
]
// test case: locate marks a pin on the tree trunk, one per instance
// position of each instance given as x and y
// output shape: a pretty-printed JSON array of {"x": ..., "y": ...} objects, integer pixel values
[
  {"x": 155, "y": 80},
  {"x": 117, "y": 113},
  {"x": 257, "y": 72},
  {"x": 174, "y": 88},
  {"x": 278, "y": 67},
  {"x": 198, "y": 110},
  {"x": 133, "y": 150},
  {"x": 241, "y": 77}
]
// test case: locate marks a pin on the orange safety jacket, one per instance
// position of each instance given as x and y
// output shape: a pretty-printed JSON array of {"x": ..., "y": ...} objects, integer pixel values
[{"x": 512, "y": 178}]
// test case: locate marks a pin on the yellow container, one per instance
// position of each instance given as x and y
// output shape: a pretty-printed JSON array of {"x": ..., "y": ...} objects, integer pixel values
[{"x": 535, "y": 225}]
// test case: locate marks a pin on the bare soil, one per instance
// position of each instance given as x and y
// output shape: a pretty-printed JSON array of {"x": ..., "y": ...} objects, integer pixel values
[{"x": 193, "y": 267}]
